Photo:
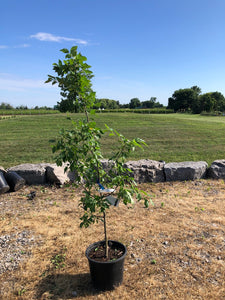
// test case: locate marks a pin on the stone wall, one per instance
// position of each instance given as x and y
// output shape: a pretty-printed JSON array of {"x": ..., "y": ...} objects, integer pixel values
[{"x": 143, "y": 171}]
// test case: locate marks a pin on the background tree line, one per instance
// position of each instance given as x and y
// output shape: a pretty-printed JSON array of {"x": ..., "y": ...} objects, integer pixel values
[
  {"x": 183, "y": 100},
  {"x": 7, "y": 106},
  {"x": 191, "y": 99},
  {"x": 104, "y": 103},
  {"x": 67, "y": 105}
]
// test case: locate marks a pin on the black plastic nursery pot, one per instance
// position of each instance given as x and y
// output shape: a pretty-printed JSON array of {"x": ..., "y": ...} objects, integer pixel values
[{"x": 108, "y": 274}]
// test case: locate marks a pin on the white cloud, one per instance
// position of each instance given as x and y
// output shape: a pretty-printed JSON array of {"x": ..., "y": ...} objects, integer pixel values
[
  {"x": 48, "y": 37},
  {"x": 9, "y": 82},
  {"x": 22, "y": 46},
  {"x": 16, "y": 46}
]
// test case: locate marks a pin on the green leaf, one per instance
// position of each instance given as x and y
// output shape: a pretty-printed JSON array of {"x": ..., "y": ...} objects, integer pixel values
[
  {"x": 64, "y": 50},
  {"x": 146, "y": 203},
  {"x": 92, "y": 112},
  {"x": 73, "y": 50}
]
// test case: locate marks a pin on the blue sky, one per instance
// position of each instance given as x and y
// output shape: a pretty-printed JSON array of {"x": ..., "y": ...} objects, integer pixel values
[{"x": 137, "y": 48}]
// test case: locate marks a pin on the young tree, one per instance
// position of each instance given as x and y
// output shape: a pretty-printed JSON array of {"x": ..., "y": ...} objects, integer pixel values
[{"x": 80, "y": 147}]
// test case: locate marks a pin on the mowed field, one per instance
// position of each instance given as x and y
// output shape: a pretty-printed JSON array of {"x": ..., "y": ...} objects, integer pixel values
[{"x": 172, "y": 137}]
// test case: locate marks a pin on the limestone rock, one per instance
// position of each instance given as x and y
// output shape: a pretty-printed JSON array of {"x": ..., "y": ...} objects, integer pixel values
[
  {"x": 107, "y": 164},
  {"x": 4, "y": 187},
  {"x": 14, "y": 180},
  {"x": 188, "y": 170},
  {"x": 2, "y": 170},
  {"x": 217, "y": 169},
  {"x": 32, "y": 173},
  {"x": 55, "y": 174},
  {"x": 146, "y": 170}
]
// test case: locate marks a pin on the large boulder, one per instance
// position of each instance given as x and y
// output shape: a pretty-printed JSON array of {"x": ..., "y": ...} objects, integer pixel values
[
  {"x": 32, "y": 173},
  {"x": 4, "y": 187},
  {"x": 146, "y": 170},
  {"x": 217, "y": 169},
  {"x": 14, "y": 180},
  {"x": 55, "y": 174},
  {"x": 187, "y": 170},
  {"x": 107, "y": 164},
  {"x": 2, "y": 170}
]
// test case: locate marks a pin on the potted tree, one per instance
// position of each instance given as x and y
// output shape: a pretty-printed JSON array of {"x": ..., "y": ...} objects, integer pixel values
[{"x": 80, "y": 149}]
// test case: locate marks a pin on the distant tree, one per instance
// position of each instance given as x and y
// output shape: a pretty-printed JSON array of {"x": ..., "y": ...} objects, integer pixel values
[
  {"x": 158, "y": 105},
  {"x": 112, "y": 104},
  {"x": 213, "y": 101},
  {"x": 196, "y": 89},
  {"x": 106, "y": 104},
  {"x": 4, "y": 105},
  {"x": 151, "y": 103},
  {"x": 22, "y": 107},
  {"x": 134, "y": 103},
  {"x": 124, "y": 105},
  {"x": 207, "y": 103},
  {"x": 220, "y": 101},
  {"x": 67, "y": 105},
  {"x": 191, "y": 99},
  {"x": 185, "y": 99}
]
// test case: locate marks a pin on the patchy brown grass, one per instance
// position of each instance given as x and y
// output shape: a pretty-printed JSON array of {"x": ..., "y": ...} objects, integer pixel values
[{"x": 176, "y": 248}]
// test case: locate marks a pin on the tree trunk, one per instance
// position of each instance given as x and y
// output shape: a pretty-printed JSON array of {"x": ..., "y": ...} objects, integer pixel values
[{"x": 106, "y": 237}]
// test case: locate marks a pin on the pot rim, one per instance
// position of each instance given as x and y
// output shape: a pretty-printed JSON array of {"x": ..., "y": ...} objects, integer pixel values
[{"x": 90, "y": 247}]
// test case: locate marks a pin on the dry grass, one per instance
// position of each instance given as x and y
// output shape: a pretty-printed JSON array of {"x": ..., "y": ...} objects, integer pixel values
[{"x": 176, "y": 248}]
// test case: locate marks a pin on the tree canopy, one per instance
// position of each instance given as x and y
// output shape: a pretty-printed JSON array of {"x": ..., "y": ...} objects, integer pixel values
[
  {"x": 5, "y": 105},
  {"x": 191, "y": 99},
  {"x": 151, "y": 103},
  {"x": 74, "y": 79},
  {"x": 134, "y": 103},
  {"x": 105, "y": 103},
  {"x": 184, "y": 99}
]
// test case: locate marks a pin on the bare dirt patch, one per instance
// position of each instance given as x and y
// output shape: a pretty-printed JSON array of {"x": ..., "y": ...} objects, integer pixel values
[{"x": 176, "y": 248}]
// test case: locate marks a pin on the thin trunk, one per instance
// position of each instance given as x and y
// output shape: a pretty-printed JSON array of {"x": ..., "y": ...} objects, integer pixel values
[
  {"x": 106, "y": 238},
  {"x": 86, "y": 113}
]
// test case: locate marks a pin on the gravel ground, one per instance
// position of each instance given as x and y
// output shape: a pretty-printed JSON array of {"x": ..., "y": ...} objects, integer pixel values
[
  {"x": 14, "y": 248},
  {"x": 16, "y": 245}
]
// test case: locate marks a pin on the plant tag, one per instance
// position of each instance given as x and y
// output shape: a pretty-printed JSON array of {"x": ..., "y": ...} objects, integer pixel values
[
  {"x": 113, "y": 201},
  {"x": 106, "y": 191}
]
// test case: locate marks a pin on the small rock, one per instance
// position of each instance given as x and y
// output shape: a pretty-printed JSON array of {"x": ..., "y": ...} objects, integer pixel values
[
  {"x": 31, "y": 195},
  {"x": 74, "y": 294}
]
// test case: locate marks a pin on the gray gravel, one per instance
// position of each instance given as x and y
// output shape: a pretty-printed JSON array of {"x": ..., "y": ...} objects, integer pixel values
[{"x": 14, "y": 248}]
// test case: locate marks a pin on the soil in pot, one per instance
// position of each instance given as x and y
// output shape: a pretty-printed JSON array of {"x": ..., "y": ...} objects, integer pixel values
[{"x": 115, "y": 251}]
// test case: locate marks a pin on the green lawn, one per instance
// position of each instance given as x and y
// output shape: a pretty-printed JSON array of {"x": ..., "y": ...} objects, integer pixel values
[{"x": 172, "y": 137}]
